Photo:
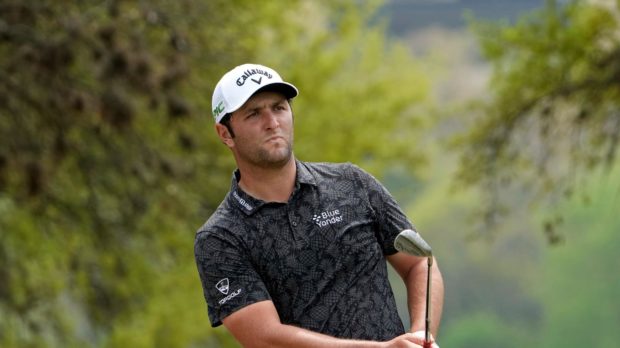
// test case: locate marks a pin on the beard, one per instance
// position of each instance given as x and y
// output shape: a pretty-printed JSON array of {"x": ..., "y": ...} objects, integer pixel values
[
  {"x": 268, "y": 157},
  {"x": 274, "y": 158}
]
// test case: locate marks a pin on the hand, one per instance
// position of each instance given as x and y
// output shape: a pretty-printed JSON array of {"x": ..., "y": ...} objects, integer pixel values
[
  {"x": 422, "y": 336},
  {"x": 407, "y": 340}
]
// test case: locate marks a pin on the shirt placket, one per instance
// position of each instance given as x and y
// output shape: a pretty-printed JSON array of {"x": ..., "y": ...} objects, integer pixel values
[{"x": 295, "y": 224}]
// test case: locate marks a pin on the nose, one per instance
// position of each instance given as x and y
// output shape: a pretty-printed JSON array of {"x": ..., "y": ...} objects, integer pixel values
[{"x": 271, "y": 119}]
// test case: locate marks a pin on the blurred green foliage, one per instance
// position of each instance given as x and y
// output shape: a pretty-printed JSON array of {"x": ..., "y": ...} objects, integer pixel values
[
  {"x": 525, "y": 160},
  {"x": 485, "y": 330},
  {"x": 552, "y": 116},
  {"x": 109, "y": 162},
  {"x": 581, "y": 278},
  {"x": 514, "y": 290}
]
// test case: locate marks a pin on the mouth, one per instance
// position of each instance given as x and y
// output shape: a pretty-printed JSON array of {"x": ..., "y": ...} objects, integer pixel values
[{"x": 275, "y": 138}]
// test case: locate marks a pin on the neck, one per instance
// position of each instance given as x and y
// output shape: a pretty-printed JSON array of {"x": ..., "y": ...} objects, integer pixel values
[{"x": 269, "y": 184}]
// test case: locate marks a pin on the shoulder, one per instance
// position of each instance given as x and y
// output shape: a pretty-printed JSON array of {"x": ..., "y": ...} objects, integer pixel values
[
  {"x": 223, "y": 222},
  {"x": 332, "y": 169}
]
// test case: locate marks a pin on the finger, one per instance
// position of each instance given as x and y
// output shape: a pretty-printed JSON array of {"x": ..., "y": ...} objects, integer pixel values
[
  {"x": 413, "y": 338},
  {"x": 422, "y": 336}
]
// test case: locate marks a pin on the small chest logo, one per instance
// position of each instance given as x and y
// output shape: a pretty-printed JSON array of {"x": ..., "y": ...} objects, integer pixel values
[{"x": 328, "y": 217}]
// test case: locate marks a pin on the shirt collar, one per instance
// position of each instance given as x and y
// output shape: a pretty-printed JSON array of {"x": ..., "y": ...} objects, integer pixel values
[
  {"x": 240, "y": 199},
  {"x": 303, "y": 175},
  {"x": 249, "y": 204}
]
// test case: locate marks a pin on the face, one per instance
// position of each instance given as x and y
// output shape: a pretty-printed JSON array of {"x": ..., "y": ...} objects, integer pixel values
[{"x": 263, "y": 129}]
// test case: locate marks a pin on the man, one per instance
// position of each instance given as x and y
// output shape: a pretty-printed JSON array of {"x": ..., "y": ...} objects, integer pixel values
[{"x": 295, "y": 255}]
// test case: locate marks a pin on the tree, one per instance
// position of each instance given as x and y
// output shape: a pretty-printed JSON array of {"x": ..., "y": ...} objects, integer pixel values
[
  {"x": 553, "y": 112},
  {"x": 96, "y": 177},
  {"x": 108, "y": 161}
]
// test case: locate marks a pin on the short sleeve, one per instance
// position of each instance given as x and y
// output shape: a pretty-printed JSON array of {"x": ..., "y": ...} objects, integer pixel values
[
  {"x": 229, "y": 281},
  {"x": 389, "y": 216}
]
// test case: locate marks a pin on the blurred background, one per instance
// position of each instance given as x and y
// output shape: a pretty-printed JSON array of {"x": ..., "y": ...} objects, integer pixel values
[{"x": 495, "y": 124}]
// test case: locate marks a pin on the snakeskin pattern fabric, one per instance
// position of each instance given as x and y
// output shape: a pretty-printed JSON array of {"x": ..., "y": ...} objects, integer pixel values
[{"x": 320, "y": 257}]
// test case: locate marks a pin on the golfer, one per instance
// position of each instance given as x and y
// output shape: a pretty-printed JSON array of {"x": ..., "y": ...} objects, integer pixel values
[{"x": 295, "y": 255}]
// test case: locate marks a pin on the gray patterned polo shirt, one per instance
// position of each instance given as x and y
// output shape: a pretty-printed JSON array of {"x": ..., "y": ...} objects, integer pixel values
[{"x": 320, "y": 257}]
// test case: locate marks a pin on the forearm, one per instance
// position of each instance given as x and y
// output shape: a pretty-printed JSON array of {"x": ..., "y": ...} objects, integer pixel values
[
  {"x": 291, "y": 336},
  {"x": 258, "y": 325},
  {"x": 416, "y": 297}
]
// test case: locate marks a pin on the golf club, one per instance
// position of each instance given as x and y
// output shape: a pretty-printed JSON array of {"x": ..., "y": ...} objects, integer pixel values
[{"x": 410, "y": 242}]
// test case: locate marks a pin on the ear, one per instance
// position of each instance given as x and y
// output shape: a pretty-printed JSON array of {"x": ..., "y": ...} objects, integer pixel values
[{"x": 224, "y": 135}]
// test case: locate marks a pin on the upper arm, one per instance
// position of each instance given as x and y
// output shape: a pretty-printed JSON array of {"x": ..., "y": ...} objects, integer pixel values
[
  {"x": 253, "y": 323},
  {"x": 228, "y": 278},
  {"x": 404, "y": 264}
]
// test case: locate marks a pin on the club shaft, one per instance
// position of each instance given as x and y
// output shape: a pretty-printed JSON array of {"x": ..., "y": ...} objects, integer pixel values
[{"x": 427, "y": 319}]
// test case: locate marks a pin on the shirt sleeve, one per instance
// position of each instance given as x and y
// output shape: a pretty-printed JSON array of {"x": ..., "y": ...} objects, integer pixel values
[
  {"x": 229, "y": 281},
  {"x": 389, "y": 217}
]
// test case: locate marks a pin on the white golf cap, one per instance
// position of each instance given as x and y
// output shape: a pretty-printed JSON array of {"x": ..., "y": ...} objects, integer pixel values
[{"x": 239, "y": 84}]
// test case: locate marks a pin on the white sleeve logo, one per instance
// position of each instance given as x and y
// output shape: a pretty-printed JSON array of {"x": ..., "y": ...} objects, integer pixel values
[{"x": 222, "y": 286}]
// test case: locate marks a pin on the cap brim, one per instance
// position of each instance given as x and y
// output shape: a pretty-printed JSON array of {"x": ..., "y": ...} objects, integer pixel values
[{"x": 288, "y": 90}]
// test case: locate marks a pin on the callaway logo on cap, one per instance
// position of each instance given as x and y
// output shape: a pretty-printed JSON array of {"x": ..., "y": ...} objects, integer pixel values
[{"x": 239, "y": 84}]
